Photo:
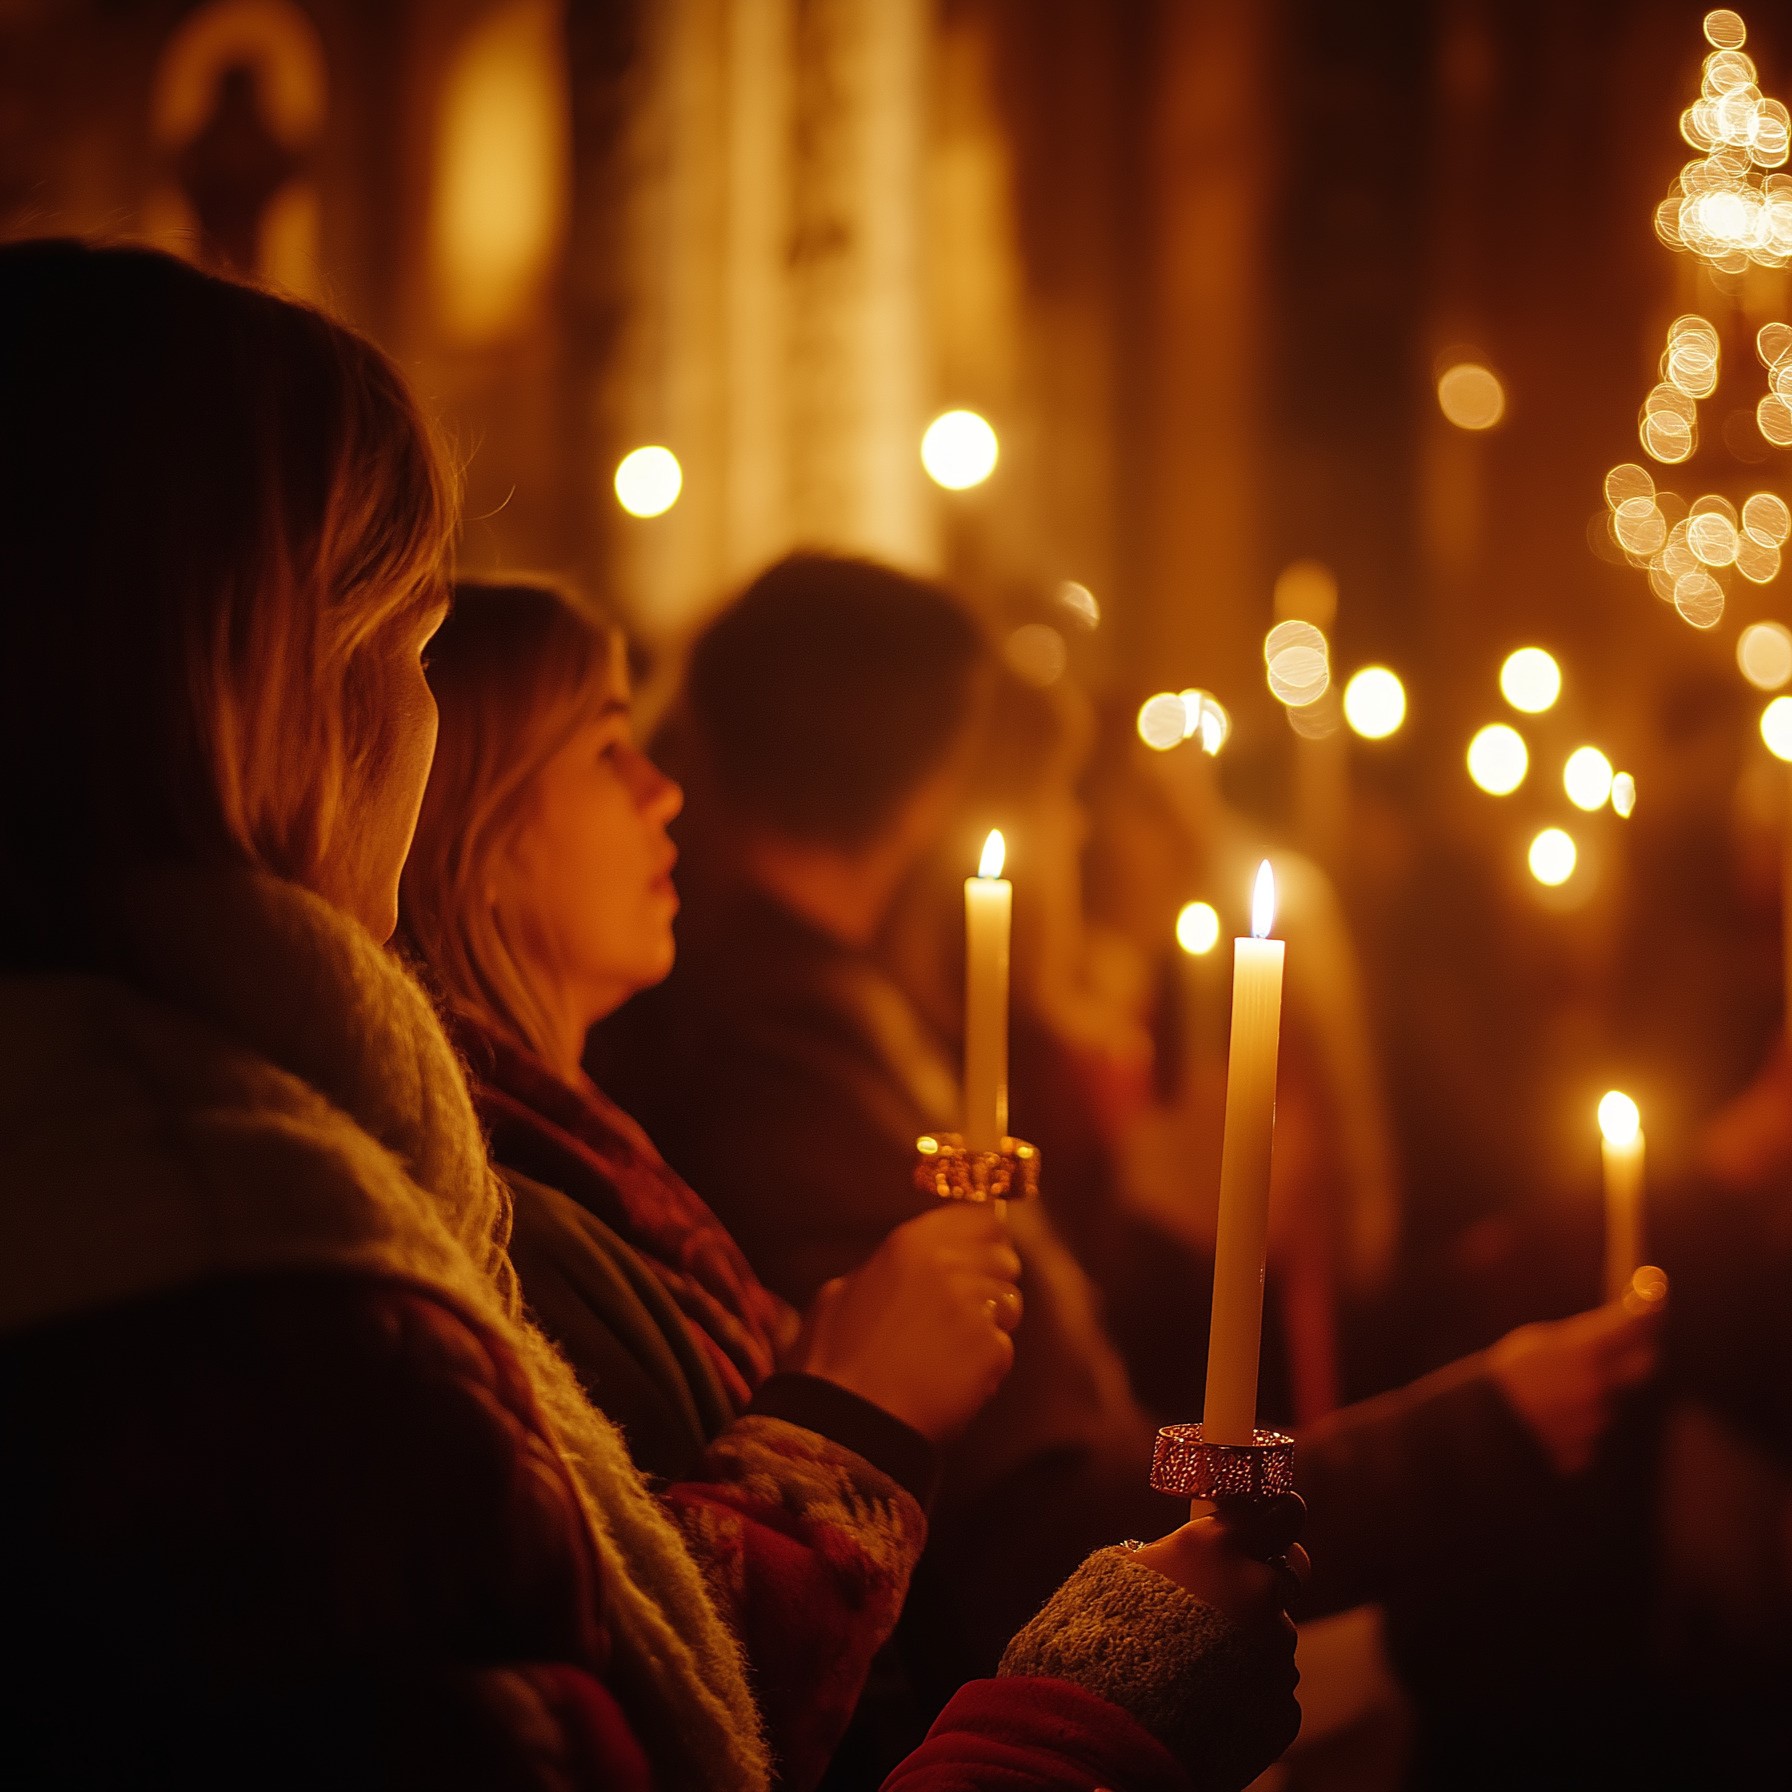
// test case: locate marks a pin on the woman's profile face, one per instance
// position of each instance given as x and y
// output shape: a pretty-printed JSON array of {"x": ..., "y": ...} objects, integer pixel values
[
  {"x": 377, "y": 832},
  {"x": 586, "y": 887}
]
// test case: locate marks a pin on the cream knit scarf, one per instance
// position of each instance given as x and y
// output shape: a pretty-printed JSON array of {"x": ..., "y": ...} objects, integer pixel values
[{"x": 258, "y": 1085}]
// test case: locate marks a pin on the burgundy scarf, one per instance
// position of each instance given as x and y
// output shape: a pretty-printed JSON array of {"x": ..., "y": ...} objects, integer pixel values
[{"x": 574, "y": 1138}]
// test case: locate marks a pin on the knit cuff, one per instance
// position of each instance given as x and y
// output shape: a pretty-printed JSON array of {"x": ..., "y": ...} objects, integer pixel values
[
  {"x": 1132, "y": 1636},
  {"x": 846, "y": 1418}
]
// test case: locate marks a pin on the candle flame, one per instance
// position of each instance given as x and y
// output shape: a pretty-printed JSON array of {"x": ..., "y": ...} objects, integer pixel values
[
  {"x": 1263, "y": 902},
  {"x": 1619, "y": 1118},
  {"x": 995, "y": 850}
]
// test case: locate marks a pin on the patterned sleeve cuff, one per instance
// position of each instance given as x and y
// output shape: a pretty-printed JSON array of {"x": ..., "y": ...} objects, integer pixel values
[{"x": 824, "y": 1407}]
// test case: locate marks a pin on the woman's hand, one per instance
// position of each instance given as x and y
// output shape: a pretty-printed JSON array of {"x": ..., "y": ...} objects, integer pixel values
[
  {"x": 1564, "y": 1378},
  {"x": 922, "y": 1327}
]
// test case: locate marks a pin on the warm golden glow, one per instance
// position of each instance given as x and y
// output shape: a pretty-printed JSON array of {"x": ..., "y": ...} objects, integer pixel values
[
  {"x": 1471, "y": 395},
  {"x": 1374, "y": 703},
  {"x": 1198, "y": 928},
  {"x": 1725, "y": 30},
  {"x": 959, "y": 450},
  {"x": 1036, "y": 654},
  {"x": 648, "y": 481},
  {"x": 1163, "y": 721},
  {"x": 1623, "y": 795},
  {"x": 1587, "y": 777},
  {"x": 1628, "y": 481},
  {"x": 995, "y": 854},
  {"x": 1765, "y": 516},
  {"x": 1552, "y": 857},
  {"x": 1530, "y": 680},
  {"x": 1263, "y": 902},
  {"x": 1619, "y": 1119},
  {"x": 502, "y": 171},
  {"x": 1298, "y": 661},
  {"x": 1306, "y": 591},
  {"x": 1498, "y": 759},
  {"x": 1776, "y": 728},
  {"x": 1764, "y": 654},
  {"x": 1079, "y": 600},
  {"x": 1699, "y": 598}
]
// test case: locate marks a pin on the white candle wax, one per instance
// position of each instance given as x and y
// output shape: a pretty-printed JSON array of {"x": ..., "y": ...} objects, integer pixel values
[
  {"x": 1236, "y": 1335},
  {"x": 1622, "y": 1147},
  {"x": 988, "y": 914}
]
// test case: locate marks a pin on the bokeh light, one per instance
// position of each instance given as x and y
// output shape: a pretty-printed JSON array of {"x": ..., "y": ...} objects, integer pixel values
[
  {"x": 1162, "y": 721},
  {"x": 648, "y": 481},
  {"x": 1776, "y": 728},
  {"x": 1298, "y": 662},
  {"x": 1764, "y": 654},
  {"x": 1623, "y": 795},
  {"x": 1205, "y": 719},
  {"x": 1306, "y": 591},
  {"x": 1498, "y": 759},
  {"x": 1619, "y": 1119},
  {"x": 1198, "y": 928},
  {"x": 1079, "y": 600},
  {"x": 1552, "y": 857},
  {"x": 1530, "y": 680},
  {"x": 1374, "y": 703},
  {"x": 1587, "y": 778},
  {"x": 1471, "y": 395},
  {"x": 1036, "y": 654},
  {"x": 959, "y": 450}
]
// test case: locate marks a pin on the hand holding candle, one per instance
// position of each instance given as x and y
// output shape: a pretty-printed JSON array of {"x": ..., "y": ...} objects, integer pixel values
[{"x": 988, "y": 914}]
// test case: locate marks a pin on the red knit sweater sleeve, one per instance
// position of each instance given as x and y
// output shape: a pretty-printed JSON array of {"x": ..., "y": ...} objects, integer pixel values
[
  {"x": 808, "y": 1550},
  {"x": 1020, "y": 1734}
]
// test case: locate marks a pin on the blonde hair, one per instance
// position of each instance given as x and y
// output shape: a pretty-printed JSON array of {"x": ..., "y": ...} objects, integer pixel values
[
  {"x": 517, "y": 668},
  {"x": 220, "y": 514}
]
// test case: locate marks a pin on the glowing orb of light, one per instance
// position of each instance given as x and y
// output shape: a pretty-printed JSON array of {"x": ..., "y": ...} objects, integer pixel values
[
  {"x": 648, "y": 481},
  {"x": 1298, "y": 661},
  {"x": 1552, "y": 857},
  {"x": 1198, "y": 928},
  {"x": 1079, "y": 600},
  {"x": 1162, "y": 721},
  {"x": 1471, "y": 395},
  {"x": 1205, "y": 719},
  {"x": 1619, "y": 1118},
  {"x": 1623, "y": 795},
  {"x": 1530, "y": 680},
  {"x": 1374, "y": 703},
  {"x": 1764, "y": 654},
  {"x": 1498, "y": 759},
  {"x": 1307, "y": 591},
  {"x": 1776, "y": 728},
  {"x": 1587, "y": 777},
  {"x": 959, "y": 450}
]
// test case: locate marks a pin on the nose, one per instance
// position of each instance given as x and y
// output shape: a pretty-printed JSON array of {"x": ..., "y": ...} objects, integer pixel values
[{"x": 660, "y": 798}]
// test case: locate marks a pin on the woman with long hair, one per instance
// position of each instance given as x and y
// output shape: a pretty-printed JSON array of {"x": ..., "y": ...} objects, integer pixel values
[{"x": 295, "y": 1491}]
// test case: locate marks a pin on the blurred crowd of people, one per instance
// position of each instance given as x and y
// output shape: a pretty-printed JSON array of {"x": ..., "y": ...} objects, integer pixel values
[{"x": 468, "y": 1314}]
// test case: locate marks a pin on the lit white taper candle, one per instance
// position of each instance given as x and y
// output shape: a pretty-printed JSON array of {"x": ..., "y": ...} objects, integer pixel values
[
  {"x": 1236, "y": 1336},
  {"x": 988, "y": 915},
  {"x": 1622, "y": 1130}
]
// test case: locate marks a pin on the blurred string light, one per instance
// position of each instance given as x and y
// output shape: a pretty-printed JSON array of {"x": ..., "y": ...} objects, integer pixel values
[
  {"x": 1161, "y": 721},
  {"x": 1764, "y": 655},
  {"x": 1498, "y": 759},
  {"x": 648, "y": 481},
  {"x": 1316, "y": 721},
  {"x": 1623, "y": 795},
  {"x": 1198, "y": 928},
  {"x": 1552, "y": 857},
  {"x": 1587, "y": 778},
  {"x": 1530, "y": 680},
  {"x": 959, "y": 450},
  {"x": 1727, "y": 207},
  {"x": 1776, "y": 728},
  {"x": 1773, "y": 415},
  {"x": 1374, "y": 703},
  {"x": 1079, "y": 600},
  {"x": 1471, "y": 396},
  {"x": 1297, "y": 660},
  {"x": 1035, "y": 653}
]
